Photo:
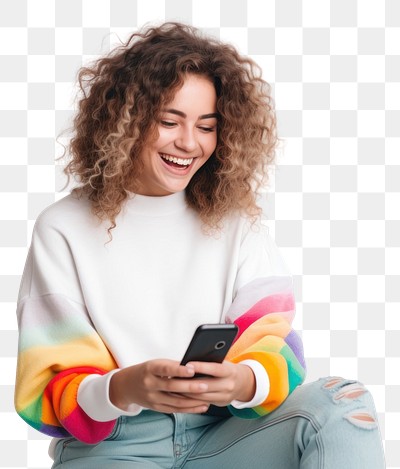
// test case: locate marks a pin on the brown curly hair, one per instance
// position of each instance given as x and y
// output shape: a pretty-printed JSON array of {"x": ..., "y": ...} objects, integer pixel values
[{"x": 122, "y": 96}]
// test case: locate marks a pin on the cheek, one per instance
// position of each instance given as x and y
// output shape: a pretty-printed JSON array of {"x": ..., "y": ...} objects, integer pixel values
[
  {"x": 211, "y": 144},
  {"x": 163, "y": 138}
]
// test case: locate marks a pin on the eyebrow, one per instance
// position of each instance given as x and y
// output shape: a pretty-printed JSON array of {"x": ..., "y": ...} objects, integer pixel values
[{"x": 182, "y": 114}]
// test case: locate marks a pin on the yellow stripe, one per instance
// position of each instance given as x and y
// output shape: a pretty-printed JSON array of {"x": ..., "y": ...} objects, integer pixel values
[{"x": 38, "y": 365}]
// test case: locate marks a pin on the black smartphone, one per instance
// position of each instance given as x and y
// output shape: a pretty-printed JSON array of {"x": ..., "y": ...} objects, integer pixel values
[{"x": 210, "y": 343}]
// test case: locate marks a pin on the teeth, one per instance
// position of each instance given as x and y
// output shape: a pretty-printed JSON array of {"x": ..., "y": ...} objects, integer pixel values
[{"x": 173, "y": 159}]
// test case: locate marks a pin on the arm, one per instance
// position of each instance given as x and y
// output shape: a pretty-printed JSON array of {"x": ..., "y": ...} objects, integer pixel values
[
  {"x": 266, "y": 337},
  {"x": 58, "y": 345},
  {"x": 264, "y": 308},
  {"x": 58, "y": 349},
  {"x": 266, "y": 363}
]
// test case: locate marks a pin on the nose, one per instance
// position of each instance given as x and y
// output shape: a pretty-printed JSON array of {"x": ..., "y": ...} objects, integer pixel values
[{"x": 186, "y": 140}]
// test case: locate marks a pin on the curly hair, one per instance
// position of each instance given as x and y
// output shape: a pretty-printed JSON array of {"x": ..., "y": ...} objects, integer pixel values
[{"x": 122, "y": 96}]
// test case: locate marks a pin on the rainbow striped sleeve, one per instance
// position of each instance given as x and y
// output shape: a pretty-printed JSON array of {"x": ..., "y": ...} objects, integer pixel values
[
  {"x": 58, "y": 348},
  {"x": 263, "y": 310}
]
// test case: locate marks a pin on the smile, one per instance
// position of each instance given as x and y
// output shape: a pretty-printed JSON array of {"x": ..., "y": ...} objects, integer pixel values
[{"x": 180, "y": 162}]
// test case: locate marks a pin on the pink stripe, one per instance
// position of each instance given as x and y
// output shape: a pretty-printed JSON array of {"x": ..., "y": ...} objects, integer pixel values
[
  {"x": 280, "y": 303},
  {"x": 82, "y": 427}
]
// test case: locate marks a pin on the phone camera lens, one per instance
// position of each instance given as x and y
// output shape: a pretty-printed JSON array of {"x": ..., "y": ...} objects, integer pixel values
[{"x": 219, "y": 345}]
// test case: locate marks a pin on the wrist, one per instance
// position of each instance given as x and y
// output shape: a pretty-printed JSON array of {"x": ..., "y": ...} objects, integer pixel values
[
  {"x": 116, "y": 391},
  {"x": 262, "y": 386},
  {"x": 94, "y": 398},
  {"x": 248, "y": 384}
]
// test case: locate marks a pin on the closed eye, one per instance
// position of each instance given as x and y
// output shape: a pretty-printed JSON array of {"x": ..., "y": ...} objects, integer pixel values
[
  {"x": 207, "y": 129},
  {"x": 168, "y": 123}
]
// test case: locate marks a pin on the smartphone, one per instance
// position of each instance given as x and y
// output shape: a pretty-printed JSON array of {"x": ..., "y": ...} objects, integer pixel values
[{"x": 210, "y": 343}]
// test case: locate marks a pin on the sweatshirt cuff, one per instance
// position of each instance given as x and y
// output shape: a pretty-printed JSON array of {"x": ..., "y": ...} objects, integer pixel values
[
  {"x": 262, "y": 386},
  {"x": 93, "y": 398}
]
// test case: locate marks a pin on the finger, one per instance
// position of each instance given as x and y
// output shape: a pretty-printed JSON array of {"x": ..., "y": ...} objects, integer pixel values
[
  {"x": 177, "y": 371},
  {"x": 185, "y": 371},
  {"x": 170, "y": 368},
  {"x": 217, "y": 398},
  {"x": 182, "y": 386},
  {"x": 217, "y": 370},
  {"x": 183, "y": 410},
  {"x": 180, "y": 402}
]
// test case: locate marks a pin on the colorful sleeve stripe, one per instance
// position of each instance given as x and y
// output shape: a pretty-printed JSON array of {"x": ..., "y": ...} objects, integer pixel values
[
  {"x": 282, "y": 303},
  {"x": 61, "y": 395},
  {"x": 265, "y": 335},
  {"x": 264, "y": 295},
  {"x": 58, "y": 348},
  {"x": 57, "y": 414}
]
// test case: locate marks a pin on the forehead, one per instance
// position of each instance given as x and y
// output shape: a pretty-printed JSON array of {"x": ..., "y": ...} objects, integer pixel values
[{"x": 196, "y": 90}]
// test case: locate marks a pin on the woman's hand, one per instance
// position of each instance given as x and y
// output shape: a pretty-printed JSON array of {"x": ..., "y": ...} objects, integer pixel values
[
  {"x": 159, "y": 385},
  {"x": 228, "y": 381}
]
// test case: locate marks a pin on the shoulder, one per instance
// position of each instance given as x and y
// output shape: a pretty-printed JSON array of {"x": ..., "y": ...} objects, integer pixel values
[
  {"x": 246, "y": 226},
  {"x": 67, "y": 213},
  {"x": 258, "y": 244}
]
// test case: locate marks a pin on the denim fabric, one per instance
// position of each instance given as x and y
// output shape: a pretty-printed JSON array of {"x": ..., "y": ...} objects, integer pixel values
[{"x": 328, "y": 424}]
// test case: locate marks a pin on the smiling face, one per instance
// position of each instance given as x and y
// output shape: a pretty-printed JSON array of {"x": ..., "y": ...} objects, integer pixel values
[{"x": 187, "y": 137}]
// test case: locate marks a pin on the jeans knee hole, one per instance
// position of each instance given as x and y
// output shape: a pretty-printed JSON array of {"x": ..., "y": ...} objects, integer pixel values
[
  {"x": 350, "y": 392},
  {"x": 332, "y": 382},
  {"x": 362, "y": 419}
]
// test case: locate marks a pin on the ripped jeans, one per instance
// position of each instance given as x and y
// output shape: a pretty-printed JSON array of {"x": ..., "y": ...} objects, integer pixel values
[{"x": 328, "y": 424}]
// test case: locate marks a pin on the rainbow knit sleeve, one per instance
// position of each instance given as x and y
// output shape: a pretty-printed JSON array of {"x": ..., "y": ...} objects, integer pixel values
[
  {"x": 263, "y": 311},
  {"x": 58, "y": 348}
]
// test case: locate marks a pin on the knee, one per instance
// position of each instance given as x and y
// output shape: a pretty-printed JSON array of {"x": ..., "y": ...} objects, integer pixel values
[{"x": 349, "y": 399}]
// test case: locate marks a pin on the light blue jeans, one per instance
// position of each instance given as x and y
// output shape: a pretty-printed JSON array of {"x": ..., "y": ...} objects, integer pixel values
[{"x": 328, "y": 424}]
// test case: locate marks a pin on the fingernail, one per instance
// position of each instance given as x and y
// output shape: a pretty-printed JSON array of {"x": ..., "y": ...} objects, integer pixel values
[
  {"x": 190, "y": 368},
  {"x": 203, "y": 387}
]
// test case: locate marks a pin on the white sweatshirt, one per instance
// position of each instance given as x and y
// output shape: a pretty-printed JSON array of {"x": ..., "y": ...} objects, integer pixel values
[{"x": 136, "y": 298}]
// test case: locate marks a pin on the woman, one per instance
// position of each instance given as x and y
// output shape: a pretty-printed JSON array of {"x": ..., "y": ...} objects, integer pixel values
[{"x": 173, "y": 136}]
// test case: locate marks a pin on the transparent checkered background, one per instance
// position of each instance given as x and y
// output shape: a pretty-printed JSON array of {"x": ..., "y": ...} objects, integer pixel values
[{"x": 334, "y": 202}]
